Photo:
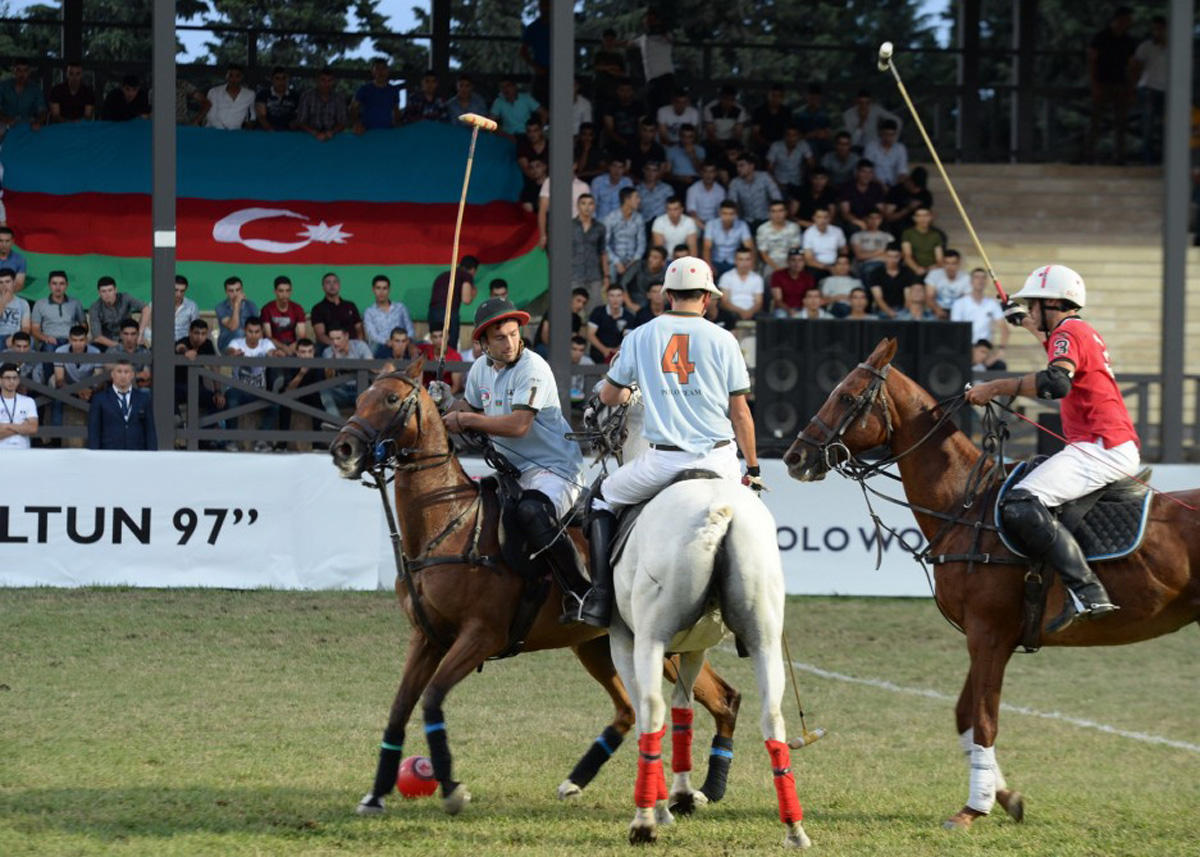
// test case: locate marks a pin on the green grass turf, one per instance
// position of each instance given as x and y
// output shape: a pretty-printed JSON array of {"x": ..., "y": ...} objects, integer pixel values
[{"x": 225, "y": 723}]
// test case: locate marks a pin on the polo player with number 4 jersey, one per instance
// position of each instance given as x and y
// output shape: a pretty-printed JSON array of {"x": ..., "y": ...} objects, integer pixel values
[
  {"x": 693, "y": 382},
  {"x": 1102, "y": 443}
]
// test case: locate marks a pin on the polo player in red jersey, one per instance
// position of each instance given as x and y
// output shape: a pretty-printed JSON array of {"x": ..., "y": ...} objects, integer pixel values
[{"x": 1102, "y": 443}]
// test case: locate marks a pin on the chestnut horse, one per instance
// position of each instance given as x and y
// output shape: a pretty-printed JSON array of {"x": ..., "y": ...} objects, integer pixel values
[
  {"x": 1156, "y": 586},
  {"x": 461, "y": 602}
]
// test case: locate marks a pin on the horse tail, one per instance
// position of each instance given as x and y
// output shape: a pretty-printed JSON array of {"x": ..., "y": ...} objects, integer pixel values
[{"x": 716, "y": 524}]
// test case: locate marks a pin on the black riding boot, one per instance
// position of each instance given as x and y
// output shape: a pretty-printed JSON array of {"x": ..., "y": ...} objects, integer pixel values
[
  {"x": 1042, "y": 537},
  {"x": 597, "y": 604},
  {"x": 1066, "y": 555},
  {"x": 549, "y": 543}
]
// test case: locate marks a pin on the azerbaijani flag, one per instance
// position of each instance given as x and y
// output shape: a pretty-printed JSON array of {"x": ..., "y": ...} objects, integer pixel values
[{"x": 256, "y": 205}]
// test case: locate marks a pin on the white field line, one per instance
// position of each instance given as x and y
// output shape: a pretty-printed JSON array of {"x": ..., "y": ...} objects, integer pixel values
[{"x": 892, "y": 687}]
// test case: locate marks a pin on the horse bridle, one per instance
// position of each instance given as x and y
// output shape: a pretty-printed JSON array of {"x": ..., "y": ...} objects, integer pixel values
[
  {"x": 385, "y": 452},
  {"x": 831, "y": 440}
]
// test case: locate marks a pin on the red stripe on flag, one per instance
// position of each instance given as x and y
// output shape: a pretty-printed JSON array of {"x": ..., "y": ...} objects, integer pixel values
[{"x": 289, "y": 232}]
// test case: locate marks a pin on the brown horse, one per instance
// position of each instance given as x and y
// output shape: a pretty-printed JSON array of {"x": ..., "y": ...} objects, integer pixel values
[
  {"x": 461, "y": 600},
  {"x": 1156, "y": 587}
]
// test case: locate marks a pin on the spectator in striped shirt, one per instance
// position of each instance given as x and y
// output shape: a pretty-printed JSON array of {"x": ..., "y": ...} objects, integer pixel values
[{"x": 625, "y": 238}]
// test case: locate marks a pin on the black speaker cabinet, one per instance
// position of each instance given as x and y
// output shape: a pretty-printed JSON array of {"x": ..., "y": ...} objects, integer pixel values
[
  {"x": 800, "y": 362},
  {"x": 798, "y": 365}
]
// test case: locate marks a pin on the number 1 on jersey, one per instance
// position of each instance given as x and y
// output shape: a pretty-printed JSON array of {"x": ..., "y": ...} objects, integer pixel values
[{"x": 675, "y": 358}]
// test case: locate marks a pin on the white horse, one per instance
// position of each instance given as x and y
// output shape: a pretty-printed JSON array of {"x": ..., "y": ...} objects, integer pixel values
[{"x": 700, "y": 546}]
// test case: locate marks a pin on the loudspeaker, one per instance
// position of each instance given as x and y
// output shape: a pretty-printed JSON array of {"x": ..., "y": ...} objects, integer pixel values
[
  {"x": 1048, "y": 444},
  {"x": 798, "y": 364},
  {"x": 944, "y": 357}
]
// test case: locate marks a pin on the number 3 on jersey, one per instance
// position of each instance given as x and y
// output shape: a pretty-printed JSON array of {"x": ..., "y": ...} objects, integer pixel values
[{"x": 675, "y": 358}]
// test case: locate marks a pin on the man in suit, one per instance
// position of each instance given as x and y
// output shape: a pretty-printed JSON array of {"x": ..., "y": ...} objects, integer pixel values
[{"x": 120, "y": 416}]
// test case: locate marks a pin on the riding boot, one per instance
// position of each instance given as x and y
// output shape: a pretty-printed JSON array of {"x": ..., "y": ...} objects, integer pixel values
[
  {"x": 597, "y": 604},
  {"x": 1066, "y": 555},
  {"x": 1042, "y": 537}
]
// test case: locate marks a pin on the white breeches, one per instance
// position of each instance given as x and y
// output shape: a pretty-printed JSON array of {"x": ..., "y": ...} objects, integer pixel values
[
  {"x": 1080, "y": 469},
  {"x": 646, "y": 475}
]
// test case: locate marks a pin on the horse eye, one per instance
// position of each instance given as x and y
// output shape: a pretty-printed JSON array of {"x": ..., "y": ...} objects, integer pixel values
[
  {"x": 393, "y": 399},
  {"x": 847, "y": 399}
]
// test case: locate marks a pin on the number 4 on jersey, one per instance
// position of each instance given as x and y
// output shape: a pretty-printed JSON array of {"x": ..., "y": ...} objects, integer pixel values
[{"x": 675, "y": 358}]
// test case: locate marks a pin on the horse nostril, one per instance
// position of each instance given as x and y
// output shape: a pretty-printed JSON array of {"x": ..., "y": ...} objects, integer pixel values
[
  {"x": 342, "y": 451},
  {"x": 791, "y": 459}
]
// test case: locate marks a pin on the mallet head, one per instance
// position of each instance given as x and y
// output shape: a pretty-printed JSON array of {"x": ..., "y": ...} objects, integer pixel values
[
  {"x": 478, "y": 121},
  {"x": 885, "y": 56}
]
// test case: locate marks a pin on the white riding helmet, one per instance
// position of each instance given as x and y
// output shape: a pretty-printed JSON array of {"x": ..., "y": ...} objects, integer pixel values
[
  {"x": 1054, "y": 281},
  {"x": 687, "y": 274}
]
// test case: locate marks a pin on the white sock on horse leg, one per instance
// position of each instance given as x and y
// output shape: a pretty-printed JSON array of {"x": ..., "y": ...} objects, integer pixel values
[
  {"x": 983, "y": 779},
  {"x": 967, "y": 741}
]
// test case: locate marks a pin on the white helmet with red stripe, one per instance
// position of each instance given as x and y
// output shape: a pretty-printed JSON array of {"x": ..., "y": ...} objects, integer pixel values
[
  {"x": 1052, "y": 282},
  {"x": 688, "y": 274}
]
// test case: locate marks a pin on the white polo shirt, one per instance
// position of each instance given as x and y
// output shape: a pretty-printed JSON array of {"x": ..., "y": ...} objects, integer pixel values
[
  {"x": 14, "y": 411},
  {"x": 674, "y": 233},
  {"x": 227, "y": 112},
  {"x": 824, "y": 245},
  {"x": 741, "y": 293}
]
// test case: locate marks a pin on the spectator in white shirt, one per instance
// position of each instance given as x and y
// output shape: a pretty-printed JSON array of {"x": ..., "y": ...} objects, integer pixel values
[
  {"x": 888, "y": 154},
  {"x": 1149, "y": 68},
  {"x": 945, "y": 285},
  {"x": 983, "y": 311},
  {"x": 18, "y": 413},
  {"x": 671, "y": 117},
  {"x": 658, "y": 67},
  {"x": 810, "y": 308},
  {"x": 230, "y": 106},
  {"x": 823, "y": 243},
  {"x": 862, "y": 120},
  {"x": 742, "y": 287},
  {"x": 674, "y": 228},
  {"x": 704, "y": 197},
  {"x": 581, "y": 110}
]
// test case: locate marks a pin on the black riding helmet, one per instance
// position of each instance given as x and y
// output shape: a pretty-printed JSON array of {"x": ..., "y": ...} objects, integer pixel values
[{"x": 494, "y": 310}]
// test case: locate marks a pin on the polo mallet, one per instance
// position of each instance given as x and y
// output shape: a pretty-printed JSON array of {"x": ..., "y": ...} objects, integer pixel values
[
  {"x": 476, "y": 122},
  {"x": 886, "y": 64},
  {"x": 805, "y": 737}
]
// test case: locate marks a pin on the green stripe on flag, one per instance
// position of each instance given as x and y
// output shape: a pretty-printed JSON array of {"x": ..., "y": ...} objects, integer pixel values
[{"x": 411, "y": 284}]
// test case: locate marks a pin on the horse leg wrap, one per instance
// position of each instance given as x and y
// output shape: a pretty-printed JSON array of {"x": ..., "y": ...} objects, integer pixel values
[
  {"x": 719, "y": 759},
  {"x": 651, "y": 783},
  {"x": 439, "y": 747},
  {"x": 600, "y": 751},
  {"x": 785, "y": 784},
  {"x": 983, "y": 779},
  {"x": 391, "y": 751},
  {"x": 681, "y": 740}
]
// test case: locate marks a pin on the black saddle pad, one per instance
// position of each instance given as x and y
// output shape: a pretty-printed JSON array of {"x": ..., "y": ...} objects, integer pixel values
[
  {"x": 1108, "y": 523},
  {"x": 629, "y": 515}
]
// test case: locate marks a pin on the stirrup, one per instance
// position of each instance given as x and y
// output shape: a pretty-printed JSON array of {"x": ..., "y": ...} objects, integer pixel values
[
  {"x": 1070, "y": 614},
  {"x": 591, "y": 613},
  {"x": 572, "y": 608}
]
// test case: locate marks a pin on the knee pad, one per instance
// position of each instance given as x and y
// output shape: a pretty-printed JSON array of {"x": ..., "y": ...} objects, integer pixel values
[
  {"x": 1027, "y": 520},
  {"x": 536, "y": 513}
]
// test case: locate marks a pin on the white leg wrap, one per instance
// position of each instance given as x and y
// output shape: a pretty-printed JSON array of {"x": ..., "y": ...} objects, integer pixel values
[
  {"x": 983, "y": 779},
  {"x": 967, "y": 741}
]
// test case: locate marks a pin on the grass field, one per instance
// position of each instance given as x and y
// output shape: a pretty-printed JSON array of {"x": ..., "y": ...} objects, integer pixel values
[{"x": 224, "y": 723}]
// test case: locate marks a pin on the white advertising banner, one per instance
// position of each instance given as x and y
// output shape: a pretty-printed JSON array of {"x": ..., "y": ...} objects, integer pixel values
[{"x": 79, "y": 518}]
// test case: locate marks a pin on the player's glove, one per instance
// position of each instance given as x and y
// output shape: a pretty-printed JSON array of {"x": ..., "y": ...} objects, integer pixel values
[
  {"x": 1014, "y": 313},
  {"x": 442, "y": 395},
  {"x": 591, "y": 411},
  {"x": 753, "y": 480}
]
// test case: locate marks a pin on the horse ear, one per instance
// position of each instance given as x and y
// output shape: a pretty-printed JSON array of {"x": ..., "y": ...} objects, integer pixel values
[
  {"x": 416, "y": 369},
  {"x": 883, "y": 353}
]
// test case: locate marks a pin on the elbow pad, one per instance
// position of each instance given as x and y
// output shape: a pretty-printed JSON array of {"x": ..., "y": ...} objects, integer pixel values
[{"x": 1053, "y": 382}]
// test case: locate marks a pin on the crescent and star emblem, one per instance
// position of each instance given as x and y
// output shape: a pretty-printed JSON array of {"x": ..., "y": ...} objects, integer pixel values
[{"x": 228, "y": 230}]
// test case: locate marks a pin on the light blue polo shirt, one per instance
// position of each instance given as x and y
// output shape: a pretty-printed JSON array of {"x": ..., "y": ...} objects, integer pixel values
[
  {"x": 687, "y": 368},
  {"x": 529, "y": 385}
]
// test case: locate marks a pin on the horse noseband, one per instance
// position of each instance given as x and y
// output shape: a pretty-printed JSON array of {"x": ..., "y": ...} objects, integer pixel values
[{"x": 831, "y": 436}]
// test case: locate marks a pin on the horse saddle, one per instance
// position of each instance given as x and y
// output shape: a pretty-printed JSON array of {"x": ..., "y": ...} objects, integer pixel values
[
  {"x": 629, "y": 515},
  {"x": 1108, "y": 523}
]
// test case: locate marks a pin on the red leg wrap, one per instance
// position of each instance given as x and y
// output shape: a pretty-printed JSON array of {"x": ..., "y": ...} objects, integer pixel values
[
  {"x": 785, "y": 784},
  {"x": 650, "y": 780},
  {"x": 681, "y": 740}
]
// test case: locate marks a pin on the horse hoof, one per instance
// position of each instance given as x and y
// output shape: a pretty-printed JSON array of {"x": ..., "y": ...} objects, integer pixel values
[
  {"x": 962, "y": 819},
  {"x": 1013, "y": 803},
  {"x": 568, "y": 790},
  {"x": 456, "y": 801},
  {"x": 685, "y": 803},
  {"x": 642, "y": 835},
  {"x": 796, "y": 837},
  {"x": 370, "y": 805}
]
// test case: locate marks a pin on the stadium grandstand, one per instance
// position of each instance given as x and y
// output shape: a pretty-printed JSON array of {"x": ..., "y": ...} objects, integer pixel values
[{"x": 296, "y": 210}]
